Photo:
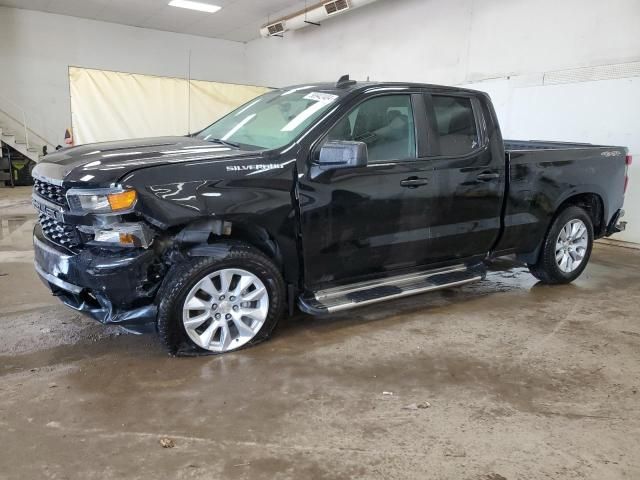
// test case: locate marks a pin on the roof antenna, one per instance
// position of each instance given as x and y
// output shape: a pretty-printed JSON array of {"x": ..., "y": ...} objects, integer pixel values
[
  {"x": 344, "y": 81},
  {"x": 305, "y": 16}
]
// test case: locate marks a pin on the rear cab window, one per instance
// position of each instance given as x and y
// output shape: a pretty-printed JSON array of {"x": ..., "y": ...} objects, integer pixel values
[{"x": 455, "y": 125}]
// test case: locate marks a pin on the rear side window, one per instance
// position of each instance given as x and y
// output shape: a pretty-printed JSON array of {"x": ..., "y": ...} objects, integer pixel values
[
  {"x": 384, "y": 123},
  {"x": 455, "y": 124}
]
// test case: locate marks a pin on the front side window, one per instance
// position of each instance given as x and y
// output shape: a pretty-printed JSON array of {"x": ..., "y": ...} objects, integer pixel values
[
  {"x": 384, "y": 123},
  {"x": 455, "y": 124},
  {"x": 272, "y": 120}
]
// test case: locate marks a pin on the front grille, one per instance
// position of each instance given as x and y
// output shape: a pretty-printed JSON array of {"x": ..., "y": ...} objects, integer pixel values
[
  {"x": 51, "y": 192},
  {"x": 60, "y": 233}
]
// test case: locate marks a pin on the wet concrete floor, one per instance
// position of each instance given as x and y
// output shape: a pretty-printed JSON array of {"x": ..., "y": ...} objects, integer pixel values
[{"x": 520, "y": 381}]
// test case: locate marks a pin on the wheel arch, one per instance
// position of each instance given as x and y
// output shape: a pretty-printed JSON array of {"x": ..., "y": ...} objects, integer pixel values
[
  {"x": 590, "y": 201},
  {"x": 205, "y": 237}
]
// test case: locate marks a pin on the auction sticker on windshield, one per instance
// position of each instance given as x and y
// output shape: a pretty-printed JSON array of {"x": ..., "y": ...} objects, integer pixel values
[{"x": 320, "y": 97}]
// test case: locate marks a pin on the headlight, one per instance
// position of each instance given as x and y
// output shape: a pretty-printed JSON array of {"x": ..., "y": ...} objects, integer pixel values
[{"x": 105, "y": 200}]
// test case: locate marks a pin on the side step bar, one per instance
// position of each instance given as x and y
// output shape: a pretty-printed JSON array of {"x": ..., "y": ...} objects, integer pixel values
[{"x": 365, "y": 293}]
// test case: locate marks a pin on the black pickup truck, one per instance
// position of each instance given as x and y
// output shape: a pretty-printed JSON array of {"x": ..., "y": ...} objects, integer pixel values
[{"x": 324, "y": 196}]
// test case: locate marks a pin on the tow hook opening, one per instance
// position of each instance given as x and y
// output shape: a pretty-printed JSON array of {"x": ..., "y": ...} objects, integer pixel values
[{"x": 78, "y": 301}]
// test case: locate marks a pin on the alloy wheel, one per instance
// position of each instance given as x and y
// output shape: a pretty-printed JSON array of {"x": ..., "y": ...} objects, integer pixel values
[
  {"x": 225, "y": 310},
  {"x": 571, "y": 245}
]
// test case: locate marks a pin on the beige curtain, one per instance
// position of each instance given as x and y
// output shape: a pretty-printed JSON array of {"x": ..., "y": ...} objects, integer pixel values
[{"x": 114, "y": 105}]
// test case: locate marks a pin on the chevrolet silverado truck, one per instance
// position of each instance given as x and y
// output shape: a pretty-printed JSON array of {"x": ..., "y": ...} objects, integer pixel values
[{"x": 321, "y": 196}]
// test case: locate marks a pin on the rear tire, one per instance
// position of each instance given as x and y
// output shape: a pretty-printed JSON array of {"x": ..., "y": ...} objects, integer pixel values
[
  {"x": 566, "y": 249},
  {"x": 217, "y": 305}
]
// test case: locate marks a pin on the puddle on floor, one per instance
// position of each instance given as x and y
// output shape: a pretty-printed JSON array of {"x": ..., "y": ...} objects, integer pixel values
[{"x": 16, "y": 231}]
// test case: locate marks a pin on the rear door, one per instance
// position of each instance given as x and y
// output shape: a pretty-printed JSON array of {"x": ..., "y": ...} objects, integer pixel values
[{"x": 468, "y": 178}]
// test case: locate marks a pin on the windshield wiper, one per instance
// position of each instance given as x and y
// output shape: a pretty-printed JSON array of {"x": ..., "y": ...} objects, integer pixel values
[{"x": 223, "y": 142}]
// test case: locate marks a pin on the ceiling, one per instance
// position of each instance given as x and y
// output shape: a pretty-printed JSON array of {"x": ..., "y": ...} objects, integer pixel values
[{"x": 239, "y": 20}]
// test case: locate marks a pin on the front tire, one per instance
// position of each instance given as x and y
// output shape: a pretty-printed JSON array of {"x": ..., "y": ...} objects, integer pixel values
[
  {"x": 218, "y": 305},
  {"x": 566, "y": 249}
]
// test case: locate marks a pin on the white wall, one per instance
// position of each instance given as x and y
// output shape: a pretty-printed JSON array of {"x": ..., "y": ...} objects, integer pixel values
[
  {"x": 37, "y": 48},
  {"x": 452, "y": 41},
  {"x": 509, "y": 48}
]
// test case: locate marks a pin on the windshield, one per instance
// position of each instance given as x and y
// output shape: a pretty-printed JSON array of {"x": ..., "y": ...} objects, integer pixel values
[{"x": 272, "y": 120}]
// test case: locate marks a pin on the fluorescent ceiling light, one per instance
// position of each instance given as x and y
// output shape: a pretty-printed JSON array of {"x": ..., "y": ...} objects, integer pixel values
[{"x": 201, "y": 7}]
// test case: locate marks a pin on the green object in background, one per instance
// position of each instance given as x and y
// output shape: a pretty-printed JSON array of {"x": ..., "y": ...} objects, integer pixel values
[{"x": 22, "y": 172}]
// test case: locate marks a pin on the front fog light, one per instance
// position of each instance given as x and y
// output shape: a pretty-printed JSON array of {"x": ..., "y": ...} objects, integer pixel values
[
  {"x": 122, "y": 234},
  {"x": 110, "y": 236}
]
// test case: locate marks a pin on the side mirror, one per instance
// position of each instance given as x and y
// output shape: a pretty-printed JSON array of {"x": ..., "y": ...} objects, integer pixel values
[{"x": 343, "y": 154}]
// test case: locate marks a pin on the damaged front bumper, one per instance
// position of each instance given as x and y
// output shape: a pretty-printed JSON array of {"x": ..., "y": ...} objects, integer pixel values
[{"x": 113, "y": 286}]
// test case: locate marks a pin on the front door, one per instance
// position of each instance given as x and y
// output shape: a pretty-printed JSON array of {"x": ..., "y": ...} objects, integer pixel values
[{"x": 365, "y": 221}]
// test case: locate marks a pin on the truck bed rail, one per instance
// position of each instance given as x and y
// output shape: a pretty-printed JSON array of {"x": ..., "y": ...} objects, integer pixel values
[{"x": 522, "y": 145}]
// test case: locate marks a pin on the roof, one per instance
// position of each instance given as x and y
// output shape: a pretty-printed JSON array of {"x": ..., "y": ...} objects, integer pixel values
[{"x": 357, "y": 86}]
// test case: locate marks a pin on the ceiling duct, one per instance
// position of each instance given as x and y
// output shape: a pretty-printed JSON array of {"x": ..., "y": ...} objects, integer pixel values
[
  {"x": 336, "y": 7},
  {"x": 275, "y": 29},
  {"x": 313, "y": 15}
]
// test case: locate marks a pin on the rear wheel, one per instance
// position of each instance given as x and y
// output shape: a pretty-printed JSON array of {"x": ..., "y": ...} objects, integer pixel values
[
  {"x": 220, "y": 305},
  {"x": 566, "y": 248}
]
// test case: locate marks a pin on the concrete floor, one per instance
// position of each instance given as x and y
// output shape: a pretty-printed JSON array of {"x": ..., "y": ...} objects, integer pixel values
[{"x": 523, "y": 381}]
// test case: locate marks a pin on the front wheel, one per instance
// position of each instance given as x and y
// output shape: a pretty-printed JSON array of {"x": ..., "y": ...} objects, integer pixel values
[
  {"x": 566, "y": 248},
  {"x": 218, "y": 305}
]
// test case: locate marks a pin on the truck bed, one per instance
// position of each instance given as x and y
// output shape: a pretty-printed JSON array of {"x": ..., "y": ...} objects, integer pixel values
[{"x": 542, "y": 175}]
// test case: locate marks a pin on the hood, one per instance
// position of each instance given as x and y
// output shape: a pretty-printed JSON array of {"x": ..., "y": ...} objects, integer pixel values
[{"x": 102, "y": 164}]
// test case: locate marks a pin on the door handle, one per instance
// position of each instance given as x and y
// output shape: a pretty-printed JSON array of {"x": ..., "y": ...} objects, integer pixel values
[
  {"x": 485, "y": 177},
  {"x": 414, "y": 182}
]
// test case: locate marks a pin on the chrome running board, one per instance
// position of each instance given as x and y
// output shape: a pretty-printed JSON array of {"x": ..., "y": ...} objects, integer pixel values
[{"x": 365, "y": 293}]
